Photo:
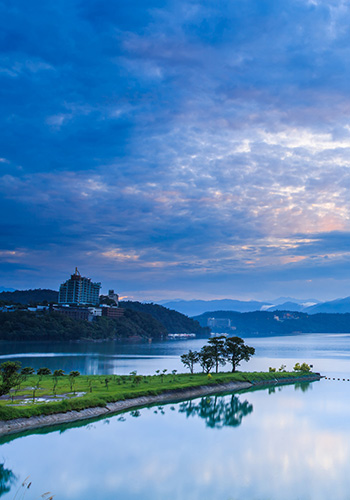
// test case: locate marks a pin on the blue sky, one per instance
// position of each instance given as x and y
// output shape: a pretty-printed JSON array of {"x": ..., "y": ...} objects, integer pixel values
[{"x": 176, "y": 148}]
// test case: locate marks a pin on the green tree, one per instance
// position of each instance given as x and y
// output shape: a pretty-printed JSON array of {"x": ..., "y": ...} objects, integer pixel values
[
  {"x": 34, "y": 389},
  {"x": 217, "y": 345},
  {"x": 44, "y": 371},
  {"x": 28, "y": 370},
  {"x": 207, "y": 358},
  {"x": 9, "y": 376},
  {"x": 58, "y": 373},
  {"x": 107, "y": 381},
  {"x": 72, "y": 376},
  {"x": 237, "y": 351},
  {"x": 190, "y": 359}
]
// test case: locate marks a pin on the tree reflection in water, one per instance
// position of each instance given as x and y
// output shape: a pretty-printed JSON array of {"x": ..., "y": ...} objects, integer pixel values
[
  {"x": 218, "y": 411},
  {"x": 7, "y": 477},
  {"x": 303, "y": 386}
]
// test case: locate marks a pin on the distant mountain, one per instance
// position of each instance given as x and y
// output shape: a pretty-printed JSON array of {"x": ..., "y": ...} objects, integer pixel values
[
  {"x": 334, "y": 306},
  {"x": 196, "y": 307},
  {"x": 35, "y": 296},
  {"x": 283, "y": 300},
  {"x": 286, "y": 306},
  {"x": 162, "y": 302},
  {"x": 4, "y": 289}
]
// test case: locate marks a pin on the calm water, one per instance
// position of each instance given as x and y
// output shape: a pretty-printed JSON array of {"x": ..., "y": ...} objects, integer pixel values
[
  {"x": 328, "y": 353},
  {"x": 289, "y": 443}
]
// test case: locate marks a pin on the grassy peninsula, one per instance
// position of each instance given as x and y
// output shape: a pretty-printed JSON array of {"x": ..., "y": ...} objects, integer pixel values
[{"x": 47, "y": 395}]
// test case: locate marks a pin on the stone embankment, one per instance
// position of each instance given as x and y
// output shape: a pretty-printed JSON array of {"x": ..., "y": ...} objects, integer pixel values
[{"x": 24, "y": 424}]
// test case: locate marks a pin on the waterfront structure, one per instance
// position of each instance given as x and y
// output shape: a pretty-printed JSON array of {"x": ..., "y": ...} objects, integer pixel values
[
  {"x": 219, "y": 322},
  {"x": 79, "y": 291},
  {"x": 77, "y": 313},
  {"x": 113, "y": 312}
]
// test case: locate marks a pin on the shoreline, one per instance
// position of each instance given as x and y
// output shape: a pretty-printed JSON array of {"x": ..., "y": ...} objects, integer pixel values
[{"x": 19, "y": 425}]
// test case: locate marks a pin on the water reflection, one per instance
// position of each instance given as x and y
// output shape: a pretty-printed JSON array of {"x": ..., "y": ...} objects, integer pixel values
[
  {"x": 217, "y": 411},
  {"x": 7, "y": 478},
  {"x": 294, "y": 445},
  {"x": 303, "y": 386}
]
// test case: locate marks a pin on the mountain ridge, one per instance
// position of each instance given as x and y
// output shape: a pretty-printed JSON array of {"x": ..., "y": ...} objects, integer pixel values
[{"x": 308, "y": 306}]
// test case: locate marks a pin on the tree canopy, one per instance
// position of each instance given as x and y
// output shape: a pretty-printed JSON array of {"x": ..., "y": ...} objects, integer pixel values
[
  {"x": 237, "y": 351},
  {"x": 219, "y": 351},
  {"x": 9, "y": 376},
  {"x": 190, "y": 359}
]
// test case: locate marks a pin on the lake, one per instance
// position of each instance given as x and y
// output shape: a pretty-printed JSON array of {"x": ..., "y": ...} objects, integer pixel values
[{"x": 291, "y": 442}]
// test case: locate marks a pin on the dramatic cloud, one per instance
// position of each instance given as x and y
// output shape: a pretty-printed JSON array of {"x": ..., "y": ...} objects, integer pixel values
[{"x": 176, "y": 148}]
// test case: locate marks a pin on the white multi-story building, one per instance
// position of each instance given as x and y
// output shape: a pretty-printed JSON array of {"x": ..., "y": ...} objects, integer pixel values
[{"x": 79, "y": 291}]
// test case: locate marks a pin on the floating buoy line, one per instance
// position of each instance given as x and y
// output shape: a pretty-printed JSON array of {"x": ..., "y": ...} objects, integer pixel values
[{"x": 337, "y": 379}]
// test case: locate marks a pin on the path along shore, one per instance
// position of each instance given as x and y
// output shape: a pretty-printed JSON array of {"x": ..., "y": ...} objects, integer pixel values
[{"x": 171, "y": 396}]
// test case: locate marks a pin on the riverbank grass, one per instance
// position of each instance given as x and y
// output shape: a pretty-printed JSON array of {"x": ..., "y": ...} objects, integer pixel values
[{"x": 46, "y": 395}]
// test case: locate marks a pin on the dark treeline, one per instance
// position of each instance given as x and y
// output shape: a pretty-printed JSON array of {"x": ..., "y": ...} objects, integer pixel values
[
  {"x": 37, "y": 296},
  {"x": 279, "y": 322},
  {"x": 23, "y": 325},
  {"x": 173, "y": 321}
]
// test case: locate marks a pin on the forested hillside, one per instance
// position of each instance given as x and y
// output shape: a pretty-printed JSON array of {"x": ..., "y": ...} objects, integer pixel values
[
  {"x": 173, "y": 321},
  {"x": 26, "y": 326}
]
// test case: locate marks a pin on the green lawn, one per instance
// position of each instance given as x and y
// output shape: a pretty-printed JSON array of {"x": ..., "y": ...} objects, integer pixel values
[{"x": 98, "y": 390}]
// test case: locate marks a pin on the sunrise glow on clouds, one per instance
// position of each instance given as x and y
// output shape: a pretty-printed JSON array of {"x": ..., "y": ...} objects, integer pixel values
[{"x": 176, "y": 148}]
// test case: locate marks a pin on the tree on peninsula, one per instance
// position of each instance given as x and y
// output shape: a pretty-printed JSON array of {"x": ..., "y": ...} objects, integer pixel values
[
  {"x": 9, "y": 376},
  {"x": 237, "y": 351},
  {"x": 190, "y": 359},
  {"x": 207, "y": 358},
  {"x": 304, "y": 367},
  {"x": 218, "y": 349}
]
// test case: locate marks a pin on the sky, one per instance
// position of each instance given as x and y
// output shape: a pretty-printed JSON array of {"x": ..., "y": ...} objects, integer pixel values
[{"x": 176, "y": 148}]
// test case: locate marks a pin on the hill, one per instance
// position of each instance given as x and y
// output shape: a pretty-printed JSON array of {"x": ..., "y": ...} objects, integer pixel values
[
  {"x": 27, "y": 326},
  {"x": 264, "y": 323},
  {"x": 173, "y": 321}
]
